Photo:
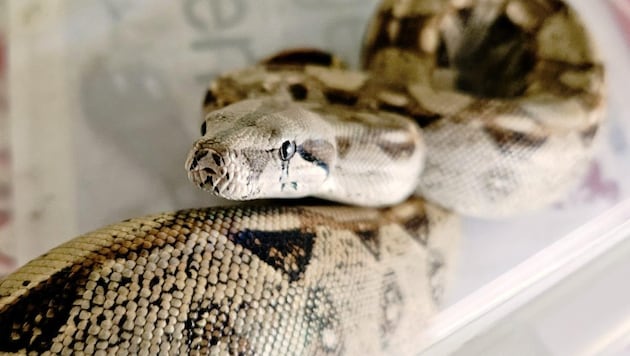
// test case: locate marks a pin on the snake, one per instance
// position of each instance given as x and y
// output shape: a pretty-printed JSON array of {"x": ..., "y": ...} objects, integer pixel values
[{"x": 483, "y": 108}]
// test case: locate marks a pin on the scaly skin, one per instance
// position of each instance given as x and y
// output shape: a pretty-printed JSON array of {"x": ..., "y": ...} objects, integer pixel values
[{"x": 255, "y": 281}]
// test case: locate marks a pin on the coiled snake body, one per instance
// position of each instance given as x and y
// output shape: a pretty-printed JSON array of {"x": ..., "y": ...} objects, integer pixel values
[{"x": 485, "y": 107}]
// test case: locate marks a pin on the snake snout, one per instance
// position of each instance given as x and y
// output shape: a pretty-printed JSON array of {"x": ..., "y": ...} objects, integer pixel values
[{"x": 206, "y": 167}]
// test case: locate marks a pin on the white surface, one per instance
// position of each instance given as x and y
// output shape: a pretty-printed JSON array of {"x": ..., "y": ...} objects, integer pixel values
[{"x": 570, "y": 298}]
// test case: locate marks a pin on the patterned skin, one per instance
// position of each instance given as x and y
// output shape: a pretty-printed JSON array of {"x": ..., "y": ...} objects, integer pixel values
[
  {"x": 518, "y": 87},
  {"x": 264, "y": 280}
]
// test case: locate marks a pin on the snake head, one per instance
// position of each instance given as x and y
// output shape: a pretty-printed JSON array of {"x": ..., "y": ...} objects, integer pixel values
[{"x": 262, "y": 148}]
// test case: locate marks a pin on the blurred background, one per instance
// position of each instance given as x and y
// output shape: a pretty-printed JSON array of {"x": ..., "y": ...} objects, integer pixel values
[{"x": 100, "y": 102}]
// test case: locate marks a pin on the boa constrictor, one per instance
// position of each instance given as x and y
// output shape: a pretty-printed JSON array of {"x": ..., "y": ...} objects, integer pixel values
[
  {"x": 487, "y": 107},
  {"x": 508, "y": 95}
]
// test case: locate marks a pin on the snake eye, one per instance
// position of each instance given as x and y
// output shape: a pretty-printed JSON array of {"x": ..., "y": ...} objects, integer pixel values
[
  {"x": 287, "y": 150},
  {"x": 203, "y": 129}
]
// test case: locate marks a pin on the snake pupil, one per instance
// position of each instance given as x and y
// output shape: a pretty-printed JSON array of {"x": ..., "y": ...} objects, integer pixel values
[
  {"x": 204, "y": 128},
  {"x": 298, "y": 91},
  {"x": 287, "y": 150}
]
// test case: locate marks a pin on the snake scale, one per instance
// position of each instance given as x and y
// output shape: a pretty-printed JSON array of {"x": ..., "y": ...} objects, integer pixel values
[{"x": 482, "y": 107}]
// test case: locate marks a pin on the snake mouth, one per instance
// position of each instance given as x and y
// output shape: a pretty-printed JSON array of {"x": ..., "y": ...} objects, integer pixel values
[{"x": 206, "y": 181}]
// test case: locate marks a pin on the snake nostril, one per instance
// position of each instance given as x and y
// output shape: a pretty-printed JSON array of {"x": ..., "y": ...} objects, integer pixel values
[
  {"x": 217, "y": 159},
  {"x": 193, "y": 164},
  {"x": 200, "y": 155}
]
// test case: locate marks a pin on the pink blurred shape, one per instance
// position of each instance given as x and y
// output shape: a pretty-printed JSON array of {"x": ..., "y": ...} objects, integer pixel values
[
  {"x": 621, "y": 9},
  {"x": 7, "y": 264},
  {"x": 597, "y": 186}
]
